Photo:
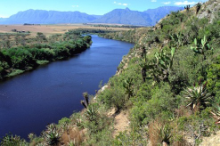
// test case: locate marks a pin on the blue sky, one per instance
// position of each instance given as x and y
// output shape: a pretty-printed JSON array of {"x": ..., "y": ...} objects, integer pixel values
[{"x": 98, "y": 7}]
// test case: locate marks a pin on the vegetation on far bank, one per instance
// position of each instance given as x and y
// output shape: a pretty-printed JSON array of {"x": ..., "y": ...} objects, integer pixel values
[{"x": 42, "y": 50}]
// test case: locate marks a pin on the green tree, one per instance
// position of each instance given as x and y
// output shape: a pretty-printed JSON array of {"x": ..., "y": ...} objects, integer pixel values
[{"x": 41, "y": 37}]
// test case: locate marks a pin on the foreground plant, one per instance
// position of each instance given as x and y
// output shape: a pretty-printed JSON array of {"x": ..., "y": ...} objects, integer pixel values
[
  {"x": 216, "y": 111},
  {"x": 161, "y": 66},
  {"x": 201, "y": 47},
  {"x": 53, "y": 138},
  {"x": 10, "y": 140},
  {"x": 160, "y": 133},
  {"x": 127, "y": 84},
  {"x": 52, "y": 135},
  {"x": 187, "y": 7},
  {"x": 85, "y": 102},
  {"x": 198, "y": 97},
  {"x": 198, "y": 7}
]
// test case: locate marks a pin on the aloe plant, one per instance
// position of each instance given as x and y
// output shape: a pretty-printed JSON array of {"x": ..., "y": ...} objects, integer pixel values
[
  {"x": 85, "y": 102},
  {"x": 165, "y": 133},
  {"x": 127, "y": 84},
  {"x": 52, "y": 135},
  {"x": 143, "y": 70},
  {"x": 91, "y": 114},
  {"x": 187, "y": 7},
  {"x": 198, "y": 97},
  {"x": 216, "y": 111},
  {"x": 53, "y": 138},
  {"x": 143, "y": 63},
  {"x": 198, "y": 7},
  {"x": 216, "y": 115}
]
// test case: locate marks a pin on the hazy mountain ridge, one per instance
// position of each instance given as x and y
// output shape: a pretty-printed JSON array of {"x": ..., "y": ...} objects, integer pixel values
[
  {"x": 160, "y": 12},
  {"x": 117, "y": 16},
  {"x": 49, "y": 17},
  {"x": 146, "y": 18},
  {"x": 125, "y": 16}
]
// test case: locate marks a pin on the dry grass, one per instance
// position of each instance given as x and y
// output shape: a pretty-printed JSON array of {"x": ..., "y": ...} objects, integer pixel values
[
  {"x": 154, "y": 133},
  {"x": 51, "y": 29},
  {"x": 157, "y": 131},
  {"x": 182, "y": 111},
  {"x": 72, "y": 135},
  {"x": 121, "y": 123}
]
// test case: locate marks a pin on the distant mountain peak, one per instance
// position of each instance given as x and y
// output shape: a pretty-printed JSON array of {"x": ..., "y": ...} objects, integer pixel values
[
  {"x": 127, "y": 9},
  {"x": 130, "y": 17},
  {"x": 117, "y": 16}
]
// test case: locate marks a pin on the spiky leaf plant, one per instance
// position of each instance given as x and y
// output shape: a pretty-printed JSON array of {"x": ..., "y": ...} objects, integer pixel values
[
  {"x": 198, "y": 97},
  {"x": 216, "y": 111}
]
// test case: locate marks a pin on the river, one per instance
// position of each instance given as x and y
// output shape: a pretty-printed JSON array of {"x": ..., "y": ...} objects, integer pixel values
[{"x": 31, "y": 101}]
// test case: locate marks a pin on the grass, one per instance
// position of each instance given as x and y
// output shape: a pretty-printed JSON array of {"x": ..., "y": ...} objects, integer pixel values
[
  {"x": 42, "y": 62},
  {"x": 52, "y": 29},
  {"x": 15, "y": 72}
]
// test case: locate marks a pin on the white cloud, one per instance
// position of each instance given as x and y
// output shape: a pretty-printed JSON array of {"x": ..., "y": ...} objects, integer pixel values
[
  {"x": 166, "y": 3},
  {"x": 1, "y": 16},
  {"x": 75, "y": 6},
  {"x": 153, "y": 1},
  {"x": 120, "y": 4},
  {"x": 184, "y": 3}
]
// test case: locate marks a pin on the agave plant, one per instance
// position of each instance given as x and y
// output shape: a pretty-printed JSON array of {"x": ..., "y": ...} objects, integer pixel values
[
  {"x": 216, "y": 111},
  {"x": 52, "y": 135},
  {"x": 216, "y": 115},
  {"x": 10, "y": 140},
  {"x": 85, "y": 102},
  {"x": 165, "y": 133},
  {"x": 53, "y": 138},
  {"x": 51, "y": 127},
  {"x": 198, "y": 97},
  {"x": 162, "y": 132},
  {"x": 91, "y": 113}
]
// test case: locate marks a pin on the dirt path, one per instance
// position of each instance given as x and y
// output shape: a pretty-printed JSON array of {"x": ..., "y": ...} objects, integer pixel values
[
  {"x": 121, "y": 123},
  {"x": 213, "y": 140}
]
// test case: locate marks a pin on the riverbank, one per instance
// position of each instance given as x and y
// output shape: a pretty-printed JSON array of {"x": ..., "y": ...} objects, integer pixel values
[
  {"x": 15, "y": 61},
  {"x": 54, "y": 91}
]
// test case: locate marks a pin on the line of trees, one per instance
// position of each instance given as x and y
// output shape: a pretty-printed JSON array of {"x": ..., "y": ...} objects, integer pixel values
[{"x": 28, "y": 57}]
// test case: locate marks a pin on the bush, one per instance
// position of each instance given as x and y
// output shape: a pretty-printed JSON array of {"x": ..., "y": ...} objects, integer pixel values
[{"x": 10, "y": 140}]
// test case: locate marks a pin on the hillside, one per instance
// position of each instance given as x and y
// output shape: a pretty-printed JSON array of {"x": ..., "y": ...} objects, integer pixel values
[
  {"x": 166, "y": 90},
  {"x": 117, "y": 16}
]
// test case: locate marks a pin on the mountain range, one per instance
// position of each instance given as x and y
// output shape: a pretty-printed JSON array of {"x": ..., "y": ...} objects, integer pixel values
[{"x": 117, "y": 16}]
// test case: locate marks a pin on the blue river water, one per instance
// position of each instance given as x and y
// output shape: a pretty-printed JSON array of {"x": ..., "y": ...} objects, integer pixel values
[{"x": 29, "y": 102}]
